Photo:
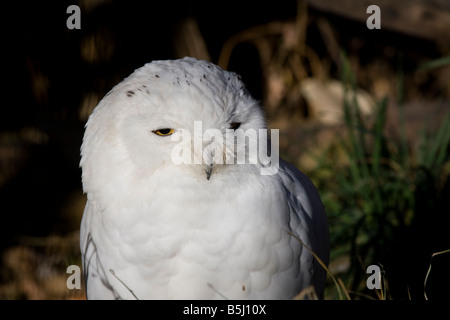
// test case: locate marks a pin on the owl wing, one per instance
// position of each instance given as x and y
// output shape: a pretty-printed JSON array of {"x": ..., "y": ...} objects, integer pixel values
[
  {"x": 306, "y": 206},
  {"x": 94, "y": 271}
]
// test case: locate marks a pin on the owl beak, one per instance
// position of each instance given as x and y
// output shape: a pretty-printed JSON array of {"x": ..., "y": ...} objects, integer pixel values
[
  {"x": 208, "y": 171},
  {"x": 210, "y": 164}
]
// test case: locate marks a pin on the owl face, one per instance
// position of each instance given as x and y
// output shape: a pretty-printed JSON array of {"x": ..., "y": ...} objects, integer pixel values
[{"x": 166, "y": 111}]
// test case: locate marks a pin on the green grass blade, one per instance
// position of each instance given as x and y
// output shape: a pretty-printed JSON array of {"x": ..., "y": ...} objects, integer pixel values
[{"x": 436, "y": 63}]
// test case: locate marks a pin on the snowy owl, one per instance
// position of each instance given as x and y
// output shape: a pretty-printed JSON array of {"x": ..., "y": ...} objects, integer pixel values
[{"x": 183, "y": 199}]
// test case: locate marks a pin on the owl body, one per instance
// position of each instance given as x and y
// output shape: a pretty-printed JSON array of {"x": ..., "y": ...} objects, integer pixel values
[{"x": 153, "y": 229}]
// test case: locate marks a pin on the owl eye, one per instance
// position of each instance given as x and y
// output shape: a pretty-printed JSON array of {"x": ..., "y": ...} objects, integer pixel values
[
  {"x": 163, "y": 132},
  {"x": 234, "y": 125}
]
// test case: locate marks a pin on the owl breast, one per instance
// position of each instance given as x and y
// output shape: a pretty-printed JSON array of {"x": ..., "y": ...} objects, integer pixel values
[{"x": 233, "y": 243}]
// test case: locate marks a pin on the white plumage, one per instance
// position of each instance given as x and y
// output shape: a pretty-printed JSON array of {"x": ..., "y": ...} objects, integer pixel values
[{"x": 154, "y": 229}]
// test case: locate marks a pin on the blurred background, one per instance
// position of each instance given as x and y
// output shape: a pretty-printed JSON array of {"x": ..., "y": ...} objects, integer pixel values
[{"x": 364, "y": 113}]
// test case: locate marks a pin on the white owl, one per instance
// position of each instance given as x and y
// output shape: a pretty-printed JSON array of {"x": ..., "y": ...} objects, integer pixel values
[{"x": 210, "y": 227}]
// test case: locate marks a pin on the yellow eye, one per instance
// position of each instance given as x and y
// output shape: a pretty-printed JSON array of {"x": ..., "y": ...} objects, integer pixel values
[{"x": 163, "y": 132}]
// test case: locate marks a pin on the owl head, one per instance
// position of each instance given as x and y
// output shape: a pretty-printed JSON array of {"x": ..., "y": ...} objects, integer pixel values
[{"x": 166, "y": 111}]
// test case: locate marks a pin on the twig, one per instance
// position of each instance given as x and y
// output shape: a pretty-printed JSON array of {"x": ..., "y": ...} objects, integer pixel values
[
  {"x": 320, "y": 262},
  {"x": 114, "y": 274},
  {"x": 429, "y": 270}
]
